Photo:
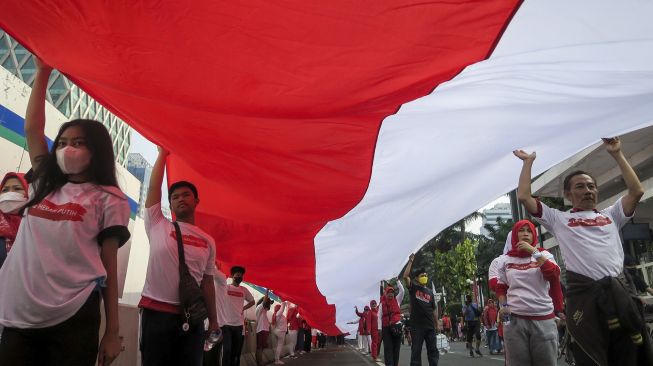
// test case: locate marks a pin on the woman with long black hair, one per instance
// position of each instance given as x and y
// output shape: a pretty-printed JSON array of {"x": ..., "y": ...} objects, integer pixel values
[{"x": 64, "y": 259}]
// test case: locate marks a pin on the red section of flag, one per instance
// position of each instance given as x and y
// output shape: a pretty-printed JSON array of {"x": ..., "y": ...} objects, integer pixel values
[{"x": 272, "y": 108}]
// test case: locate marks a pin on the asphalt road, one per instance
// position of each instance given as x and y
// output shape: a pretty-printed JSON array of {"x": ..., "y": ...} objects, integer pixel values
[{"x": 348, "y": 356}]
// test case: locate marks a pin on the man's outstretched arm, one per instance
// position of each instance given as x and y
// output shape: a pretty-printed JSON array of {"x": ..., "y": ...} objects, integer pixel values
[{"x": 634, "y": 186}]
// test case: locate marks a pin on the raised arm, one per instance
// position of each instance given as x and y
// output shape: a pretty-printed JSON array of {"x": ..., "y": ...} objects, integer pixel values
[
  {"x": 400, "y": 295},
  {"x": 409, "y": 267},
  {"x": 156, "y": 179},
  {"x": 35, "y": 115},
  {"x": 524, "y": 193},
  {"x": 634, "y": 186}
]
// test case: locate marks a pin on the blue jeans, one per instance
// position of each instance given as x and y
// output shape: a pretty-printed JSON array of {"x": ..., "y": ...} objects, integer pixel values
[
  {"x": 163, "y": 342},
  {"x": 493, "y": 340}
]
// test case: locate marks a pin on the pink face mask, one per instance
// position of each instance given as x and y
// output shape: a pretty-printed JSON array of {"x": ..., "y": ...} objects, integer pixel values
[{"x": 72, "y": 160}]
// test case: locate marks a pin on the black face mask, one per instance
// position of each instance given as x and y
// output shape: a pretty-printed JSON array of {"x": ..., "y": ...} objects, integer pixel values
[{"x": 238, "y": 280}]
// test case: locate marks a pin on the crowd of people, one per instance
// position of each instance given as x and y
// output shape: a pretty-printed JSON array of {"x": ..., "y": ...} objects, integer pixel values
[
  {"x": 527, "y": 317},
  {"x": 60, "y": 229},
  {"x": 62, "y": 224}
]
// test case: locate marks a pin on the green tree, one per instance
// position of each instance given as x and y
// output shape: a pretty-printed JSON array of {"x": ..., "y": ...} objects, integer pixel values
[
  {"x": 455, "y": 267},
  {"x": 492, "y": 246}
]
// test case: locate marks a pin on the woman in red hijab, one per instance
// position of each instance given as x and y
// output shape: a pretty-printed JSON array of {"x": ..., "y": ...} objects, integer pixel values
[
  {"x": 526, "y": 274},
  {"x": 13, "y": 196}
]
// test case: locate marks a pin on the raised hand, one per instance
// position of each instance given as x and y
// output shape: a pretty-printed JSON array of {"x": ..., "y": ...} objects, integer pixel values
[
  {"x": 612, "y": 145},
  {"x": 523, "y": 155},
  {"x": 40, "y": 65}
]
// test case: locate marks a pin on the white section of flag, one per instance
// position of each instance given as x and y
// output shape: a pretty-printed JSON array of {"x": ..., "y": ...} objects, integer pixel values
[{"x": 563, "y": 75}]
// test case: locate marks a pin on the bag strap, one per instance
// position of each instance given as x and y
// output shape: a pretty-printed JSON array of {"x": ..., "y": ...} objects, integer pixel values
[{"x": 180, "y": 248}]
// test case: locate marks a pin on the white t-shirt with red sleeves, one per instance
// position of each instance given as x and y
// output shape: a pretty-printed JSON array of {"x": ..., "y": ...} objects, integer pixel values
[
  {"x": 232, "y": 304},
  {"x": 589, "y": 240},
  {"x": 162, "y": 278},
  {"x": 55, "y": 262},
  {"x": 528, "y": 291},
  {"x": 493, "y": 270}
]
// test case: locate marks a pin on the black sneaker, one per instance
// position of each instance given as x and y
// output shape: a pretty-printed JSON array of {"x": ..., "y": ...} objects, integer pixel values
[
  {"x": 479, "y": 353},
  {"x": 471, "y": 353}
]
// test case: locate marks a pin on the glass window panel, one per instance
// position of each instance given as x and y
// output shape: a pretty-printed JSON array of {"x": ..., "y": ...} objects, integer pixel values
[
  {"x": 4, "y": 48},
  {"x": 64, "y": 106},
  {"x": 9, "y": 65},
  {"x": 28, "y": 70},
  {"x": 57, "y": 89},
  {"x": 74, "y": 97},
  {"x": 83, "y": 104},
  {"x": 91, "y": 111},
  {"x": 20, "y": 52}
]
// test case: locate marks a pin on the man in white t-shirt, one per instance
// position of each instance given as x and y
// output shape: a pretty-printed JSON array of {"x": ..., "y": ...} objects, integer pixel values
[
  {"x": 238, "y": 300},
  {"x": 591, "y": 247},
  {"x": 165, "y": 338}
]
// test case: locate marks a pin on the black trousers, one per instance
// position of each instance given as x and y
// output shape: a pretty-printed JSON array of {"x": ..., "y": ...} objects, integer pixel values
[
  {"x": 300, "y": 340},
  {"x": 621, "y": 352},
  {"x": 232, "y": 345},
  {"x": 163, "y": 342},
  {"x": 420, "y": 336},
  {"x": 391, "y": 347},
  {"x": 73, "y": 342}
]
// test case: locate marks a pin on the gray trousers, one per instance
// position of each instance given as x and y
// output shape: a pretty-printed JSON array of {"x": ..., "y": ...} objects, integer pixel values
[{"x": 531, "y": 342}]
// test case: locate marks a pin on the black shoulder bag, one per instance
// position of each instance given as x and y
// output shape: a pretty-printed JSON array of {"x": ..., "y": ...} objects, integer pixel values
[{"x": 191, "y": 298}]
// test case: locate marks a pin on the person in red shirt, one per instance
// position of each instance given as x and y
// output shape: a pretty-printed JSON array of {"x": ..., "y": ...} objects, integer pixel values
[
  {"x": 13, "y": 196},
  {"x": 364, "y": 327},
  {"x": 374, "y": 325},
  {"x": 490, "y": 322},
  {"x": 446, "y": 325}
]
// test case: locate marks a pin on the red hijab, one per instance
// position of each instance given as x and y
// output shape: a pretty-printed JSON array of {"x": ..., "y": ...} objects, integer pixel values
[
  {"x": 9, "y": 223},
  {"x": 514, "y": 251}
]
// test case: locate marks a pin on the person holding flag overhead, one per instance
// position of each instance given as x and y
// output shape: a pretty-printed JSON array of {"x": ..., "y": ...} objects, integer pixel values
[{"x": 423, "y": 316}]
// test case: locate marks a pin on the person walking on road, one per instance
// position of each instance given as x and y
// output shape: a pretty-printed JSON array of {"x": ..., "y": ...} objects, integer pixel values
[
  {"x": 490, "y": 317},
  {"x": 390, "y": 315},
  {"x": 471, "y": 314},
  {"x": 364, "y": 328},
  {"x": 374, "y": 325},
  {"x": 423, "y": 316}
]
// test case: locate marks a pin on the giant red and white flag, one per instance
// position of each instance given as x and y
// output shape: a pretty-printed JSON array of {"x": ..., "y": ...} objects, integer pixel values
[{"x": 330, "y": 139}]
